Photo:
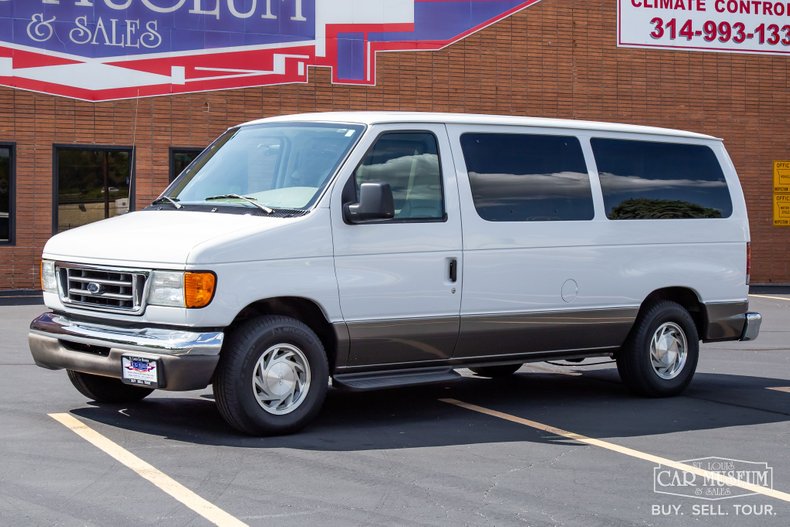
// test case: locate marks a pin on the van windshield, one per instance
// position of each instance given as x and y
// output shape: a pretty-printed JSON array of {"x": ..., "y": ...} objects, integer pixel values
[{"x": 265, "y": 167}]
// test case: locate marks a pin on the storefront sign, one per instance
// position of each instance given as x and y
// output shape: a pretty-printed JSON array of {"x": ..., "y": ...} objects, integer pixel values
[
  {"x": 747, "y": 26},
  {"x": 112, "y": 49},
  {"x": 782, "y": 193}
]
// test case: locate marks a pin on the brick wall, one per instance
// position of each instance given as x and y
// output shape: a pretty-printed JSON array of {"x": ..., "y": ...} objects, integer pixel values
[{"x": 556, "y": 59}]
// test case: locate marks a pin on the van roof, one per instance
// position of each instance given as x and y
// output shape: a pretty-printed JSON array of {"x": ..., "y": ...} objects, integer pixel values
[{"x": 370, "y": 118}]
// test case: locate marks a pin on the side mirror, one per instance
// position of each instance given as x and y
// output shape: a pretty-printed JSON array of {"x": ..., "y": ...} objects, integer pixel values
[{"x": 375, "y": 203}]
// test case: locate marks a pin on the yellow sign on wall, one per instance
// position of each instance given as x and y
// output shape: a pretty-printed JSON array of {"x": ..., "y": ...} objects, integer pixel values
[{"x": 782, "y": 193}]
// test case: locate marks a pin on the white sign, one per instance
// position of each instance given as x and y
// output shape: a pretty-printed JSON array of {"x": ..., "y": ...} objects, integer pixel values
[{"x": 746, "y": 26}]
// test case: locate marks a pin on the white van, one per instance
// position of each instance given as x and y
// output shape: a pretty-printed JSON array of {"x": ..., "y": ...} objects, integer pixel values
[{"x": 382, "y": 249}]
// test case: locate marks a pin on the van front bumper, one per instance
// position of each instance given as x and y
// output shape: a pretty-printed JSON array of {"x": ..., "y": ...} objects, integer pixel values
[{"x": 187, "y": 358}]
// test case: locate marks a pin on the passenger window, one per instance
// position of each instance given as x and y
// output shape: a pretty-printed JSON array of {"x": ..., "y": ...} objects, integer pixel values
[
  {"x": 526, "y": 177},
  {"x": 649, "y": 180},
  {"x": 409, "y": 162}
]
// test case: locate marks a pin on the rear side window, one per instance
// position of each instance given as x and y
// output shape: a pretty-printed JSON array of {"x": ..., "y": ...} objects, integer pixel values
[
  {"x": 647, "y": 180},
  {"x": 527, "y": 177}
]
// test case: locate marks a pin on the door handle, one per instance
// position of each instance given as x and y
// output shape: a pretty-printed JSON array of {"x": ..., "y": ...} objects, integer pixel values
[{"x": 453, "y": 270}]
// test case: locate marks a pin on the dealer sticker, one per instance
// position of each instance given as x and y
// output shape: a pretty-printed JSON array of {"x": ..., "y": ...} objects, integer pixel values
[{"x": 140, "y": 371}]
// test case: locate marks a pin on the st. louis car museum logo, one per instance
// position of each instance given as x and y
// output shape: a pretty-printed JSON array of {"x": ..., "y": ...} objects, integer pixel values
[
  {"x": 706, "y": 485},
  {"x": 114, "y": 49}
]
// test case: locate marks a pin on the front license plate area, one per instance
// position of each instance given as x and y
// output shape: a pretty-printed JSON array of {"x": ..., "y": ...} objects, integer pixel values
[{"x": 140, "y": 371}]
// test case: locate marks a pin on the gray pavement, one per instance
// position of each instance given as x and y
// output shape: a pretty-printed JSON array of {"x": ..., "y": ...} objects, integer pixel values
[{"x": 405, "y": 457}]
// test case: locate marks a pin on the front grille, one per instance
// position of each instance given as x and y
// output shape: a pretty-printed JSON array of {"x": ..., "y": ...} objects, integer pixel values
[{"x": 102, "y": 288}]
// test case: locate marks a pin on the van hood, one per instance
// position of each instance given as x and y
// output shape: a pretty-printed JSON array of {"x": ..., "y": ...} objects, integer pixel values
[{"x": 153, "y": 237}]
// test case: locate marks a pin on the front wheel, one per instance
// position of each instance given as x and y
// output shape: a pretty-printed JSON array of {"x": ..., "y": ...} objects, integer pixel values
[
  {"x": 660, "y": 355},
  {"x": 272, "y": 376},
  {"x": 106, "y": 389}
]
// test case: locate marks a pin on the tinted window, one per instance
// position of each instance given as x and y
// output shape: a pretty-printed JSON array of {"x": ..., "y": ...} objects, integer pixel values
[
  {"x": 409, "y": 162},
  {"x": 93, "y": 184},
  {"x": 6, "y": 193},
  {"x": 520, "y": 177},
  {"x": 180, "y": 158},
  {"x": 645, "y": 180}
]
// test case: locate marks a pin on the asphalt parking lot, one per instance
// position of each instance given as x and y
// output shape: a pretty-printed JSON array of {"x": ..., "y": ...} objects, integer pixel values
[{"x": 551, "y": 446}]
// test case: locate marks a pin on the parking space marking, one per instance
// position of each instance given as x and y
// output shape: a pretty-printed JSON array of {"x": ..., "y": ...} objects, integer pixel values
[
  {"x": 711, "y": 476},
  {"x": 147, "y": 471},
  {"x": 786, "y": 299},
  {"x": 785, "y": 389}
]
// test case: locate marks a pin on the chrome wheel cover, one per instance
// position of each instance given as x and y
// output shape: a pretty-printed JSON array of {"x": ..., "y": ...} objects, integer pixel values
[
  {"x": 668, "y": 350},
  {"x": 281, "y": 379}
]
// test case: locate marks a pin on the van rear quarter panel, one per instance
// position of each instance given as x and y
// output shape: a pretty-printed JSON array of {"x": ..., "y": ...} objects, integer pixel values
[{"x": 522, "y": 267}]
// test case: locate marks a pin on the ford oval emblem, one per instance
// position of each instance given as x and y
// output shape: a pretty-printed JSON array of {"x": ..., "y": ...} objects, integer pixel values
[{"x": 94, "y": 288}]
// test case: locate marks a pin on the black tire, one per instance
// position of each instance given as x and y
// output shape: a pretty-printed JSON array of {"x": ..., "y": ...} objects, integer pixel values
[
  {"x": 504, "y": 370},
  {"x": 301, "y": 369},
  {"x": 106, "y": 389},
  {"x": 668, "y": 373}
]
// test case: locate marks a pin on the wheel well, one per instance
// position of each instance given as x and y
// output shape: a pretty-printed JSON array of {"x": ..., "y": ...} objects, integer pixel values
[
  {"x": 301, "y": 309},
  {"x": 683, "y": 296}
]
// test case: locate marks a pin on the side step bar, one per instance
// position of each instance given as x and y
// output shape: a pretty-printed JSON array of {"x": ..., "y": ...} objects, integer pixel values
[{"x": 393, "y": 378}]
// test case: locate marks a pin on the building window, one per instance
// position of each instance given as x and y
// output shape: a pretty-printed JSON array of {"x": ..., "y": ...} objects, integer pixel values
[
  {"x": 647, "y": 180},
  {"x": 180, "y": 158},
  {"x": 527, "y": 177},
  {"x": 6, "y": 194},
  {"x": 93, "y": 183}
]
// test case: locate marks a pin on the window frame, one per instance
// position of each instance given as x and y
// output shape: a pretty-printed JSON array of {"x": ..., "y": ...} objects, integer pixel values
[
  {"x": 350, "y": 194},
  {"x": 132, "y": 150},
  {"x": 171, "y": 153},
  {"x": 11, "y": 241}
]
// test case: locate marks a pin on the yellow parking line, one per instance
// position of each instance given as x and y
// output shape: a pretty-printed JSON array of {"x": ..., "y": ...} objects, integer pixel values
[
  {"x": 785, "y": 389},
  {"x": 710, "y": 476},
  {"x": 769, "y": 297},
  {"x": 170, "y": 486}
]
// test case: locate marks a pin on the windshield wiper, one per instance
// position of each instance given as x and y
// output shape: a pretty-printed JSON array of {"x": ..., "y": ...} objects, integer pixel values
[
  {"x": 172, "y": 201},
  {"x": 248, "y": 199}
]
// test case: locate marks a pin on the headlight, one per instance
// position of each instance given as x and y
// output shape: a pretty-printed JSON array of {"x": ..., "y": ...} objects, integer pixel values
[
  {"x": 176, "y": 289},
  {"x": 49, "y": 280}
]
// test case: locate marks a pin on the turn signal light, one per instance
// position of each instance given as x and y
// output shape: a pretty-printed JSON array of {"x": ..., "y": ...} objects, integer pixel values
[{"x": 199, "y": 289}]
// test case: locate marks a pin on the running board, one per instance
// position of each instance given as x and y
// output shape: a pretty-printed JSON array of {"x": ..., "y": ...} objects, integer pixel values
[{"x": 393, "y": 378}]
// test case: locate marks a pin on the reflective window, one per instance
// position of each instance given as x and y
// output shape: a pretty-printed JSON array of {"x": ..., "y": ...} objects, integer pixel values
[
  {"x": 6, "y": 194},
  {"x": 409, "y": 162},
  {"x": 93, "y": 184},
  {"x": 274, "y": 165},
  {"x": 525, "y": 177},
  {"x": 648, "y": 180},
  {"x": 180, "y": 158}
]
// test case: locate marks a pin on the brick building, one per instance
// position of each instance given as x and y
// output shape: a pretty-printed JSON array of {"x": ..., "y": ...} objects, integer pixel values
[{"x": 552, "y": 58}]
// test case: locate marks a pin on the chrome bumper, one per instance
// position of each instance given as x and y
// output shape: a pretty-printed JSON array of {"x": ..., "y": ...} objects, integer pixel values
[
  {"x": 751, "y": 328},
  {"x": 188, "y": 358}
]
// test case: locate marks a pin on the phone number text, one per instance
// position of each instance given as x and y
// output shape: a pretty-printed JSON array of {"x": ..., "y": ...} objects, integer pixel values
[{"x": 711, "y": 31}]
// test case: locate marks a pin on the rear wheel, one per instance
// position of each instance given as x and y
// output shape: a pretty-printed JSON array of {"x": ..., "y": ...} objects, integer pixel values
[
  {"x": 106, "y": 389},
  {"x": 272, "y": 376},
  {"x": 504, "y": 370},
  {"x": 660, "y": 355}
]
